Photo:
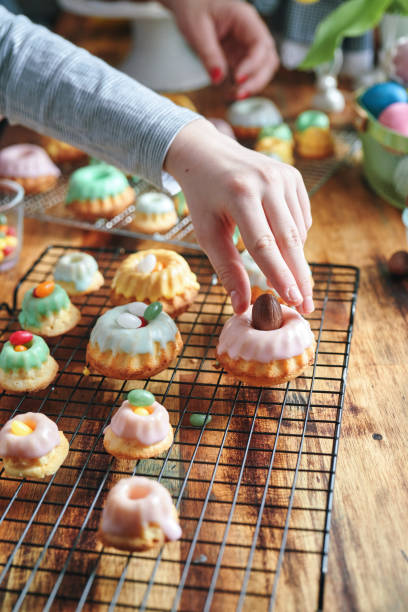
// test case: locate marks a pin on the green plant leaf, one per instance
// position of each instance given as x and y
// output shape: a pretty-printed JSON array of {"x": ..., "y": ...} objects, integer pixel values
[{"x": 351, "y": 18}]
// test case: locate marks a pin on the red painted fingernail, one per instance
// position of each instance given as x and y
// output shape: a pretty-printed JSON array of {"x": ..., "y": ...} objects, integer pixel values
[
  {"x": 242, "y": 79},
  {"x": 216, "y": 75},
  {"x": 242, "y": 95}
]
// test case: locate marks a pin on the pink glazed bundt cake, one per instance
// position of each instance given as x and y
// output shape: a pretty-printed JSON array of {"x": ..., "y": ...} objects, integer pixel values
[
  {"x": 139, "y": 514},
  {"x": 30, "y": 166},
  {"x": 139, "y": 429},
  {"x": 269, "y": 344},
  {"x": 31, "y": 446}
]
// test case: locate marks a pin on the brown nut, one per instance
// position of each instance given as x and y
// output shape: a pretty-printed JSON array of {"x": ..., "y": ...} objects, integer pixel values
[
  {"x": 398, "y": 263},
  {"x": 266, "y": 313}
]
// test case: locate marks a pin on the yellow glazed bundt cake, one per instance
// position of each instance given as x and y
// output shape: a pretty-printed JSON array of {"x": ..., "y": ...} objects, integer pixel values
[{"x": 156, "y": 274}]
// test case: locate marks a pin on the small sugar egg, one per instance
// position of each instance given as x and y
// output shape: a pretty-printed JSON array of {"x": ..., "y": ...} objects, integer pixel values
[
  {"x": 137, "y": 308},
  {"x": 395, "y": 117},
  {"x": 128, "y": 321},
  {"x": 147, "y": 264},
  {"x": 381, "y": 95}
]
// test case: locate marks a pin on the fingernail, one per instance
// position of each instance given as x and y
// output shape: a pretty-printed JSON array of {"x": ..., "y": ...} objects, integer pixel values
[
  {"x": 242, "y": 95},
  {"x": 216, "y": 75},
  {"x": 308, "y": 305},
  {"x": 294, "y": 296},
  {"x": 242, "y": 79},
  {"x": 235, "y": 300}
]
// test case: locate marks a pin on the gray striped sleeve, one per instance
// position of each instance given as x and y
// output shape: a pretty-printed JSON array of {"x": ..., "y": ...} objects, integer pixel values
[{"x": 53, "y": 87}]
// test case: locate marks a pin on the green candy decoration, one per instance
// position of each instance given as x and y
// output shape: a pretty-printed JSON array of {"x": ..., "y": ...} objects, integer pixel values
[
  {"x": 153, "y": 311},
  {"x": 281, "y": 131},
  {"x": 140, "y": 397},
  {"x": 3, "y": 220},
  {"x": 199, "y": 420}
]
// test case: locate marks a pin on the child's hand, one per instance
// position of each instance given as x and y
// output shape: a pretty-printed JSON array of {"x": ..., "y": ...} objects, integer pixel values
[
  {"x": 228, "y": 36},
  {"x": 225, "y": 185}
]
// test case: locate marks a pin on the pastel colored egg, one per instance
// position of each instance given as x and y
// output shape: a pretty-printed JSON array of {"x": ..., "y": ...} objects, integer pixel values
[
  {"x": 395, "y": 117},
  {"x": 381, "y": 95},
  {"x": 128, "y": 321},
  {"x": 20, "y": 337},
  {"x": 140, "y": 397},
  {"x": 20, "y": 348},
  {"x": 141, "y": 411},
  {"x": 137, "y": 308},
  {"x": 19, "y": 428},
  {"x": 44, "y": 289},
  {"x": 197, "y": 419}
]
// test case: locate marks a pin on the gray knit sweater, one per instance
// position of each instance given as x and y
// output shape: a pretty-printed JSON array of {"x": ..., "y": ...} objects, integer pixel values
[{"x": 55, "y": 88}]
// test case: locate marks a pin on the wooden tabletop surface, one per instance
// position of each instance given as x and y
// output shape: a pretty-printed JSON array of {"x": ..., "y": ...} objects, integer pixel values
[{"x": 368, "y": 559}]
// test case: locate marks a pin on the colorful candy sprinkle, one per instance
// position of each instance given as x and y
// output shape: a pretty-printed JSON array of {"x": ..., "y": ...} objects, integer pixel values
[
  {"x": 7, "y": 250},
  {"x": 198, "y": 420},
  {"x": 11, "y": 231},
  {"x": 11, "y": 241},
  {"x": 20, "y": 348},
  {"x": 140, "y": 397},
  {"x": 44, "y": 289},
  {"x": 141, "y": 411},
  {"x": 20, "y": 337},
  {"x": 19, "y": 428},
  {"x": 153, "y": 311}
]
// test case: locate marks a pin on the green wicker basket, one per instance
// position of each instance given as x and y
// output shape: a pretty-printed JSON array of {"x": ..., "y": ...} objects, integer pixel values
[{"x": 383, "y": 150}]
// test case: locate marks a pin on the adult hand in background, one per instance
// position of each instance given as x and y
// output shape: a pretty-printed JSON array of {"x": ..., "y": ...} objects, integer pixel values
[
  {"x": 225, "y": 185},
  {"x": 231, "y": 39}
]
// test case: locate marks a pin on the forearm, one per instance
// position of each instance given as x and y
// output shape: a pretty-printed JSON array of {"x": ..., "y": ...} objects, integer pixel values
[{"x": 51, "y": 86}]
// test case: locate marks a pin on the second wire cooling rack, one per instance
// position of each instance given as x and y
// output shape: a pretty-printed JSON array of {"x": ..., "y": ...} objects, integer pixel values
[{"x": 254, "y": 487}]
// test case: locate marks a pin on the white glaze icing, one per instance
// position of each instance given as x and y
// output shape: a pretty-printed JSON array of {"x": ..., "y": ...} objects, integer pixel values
[
  {"x": 78, "y": 268},
  {"x": 254, "y": 112},
  {"x": 134, "y": 503},
  {"x": 256, "y": 277},
  {"x": 40, "y": 442},
  {"x": 147, "y": 429},
  {"x": 240, "y": 340},
  {"x": 26, "y": 161},
  {"x": 110, "y": 336},
  {"x": 153, "y": 202}
]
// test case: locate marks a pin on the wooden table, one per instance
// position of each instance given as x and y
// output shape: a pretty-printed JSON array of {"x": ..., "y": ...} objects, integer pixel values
[{"x": 368, "y": 558}]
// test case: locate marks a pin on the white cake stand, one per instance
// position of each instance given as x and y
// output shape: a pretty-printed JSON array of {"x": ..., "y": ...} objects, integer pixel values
[{"x": 160, "y": 57}]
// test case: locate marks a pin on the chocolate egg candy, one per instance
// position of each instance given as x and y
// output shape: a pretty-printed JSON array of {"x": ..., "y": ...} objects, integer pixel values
[
  {"x": 140, "y": 397},
  {"x": 398, "y": 264},
  {"x": 266, "y": 313},
  {"x": 381, "y": 95},
  {"x": 153, "y": 311}
]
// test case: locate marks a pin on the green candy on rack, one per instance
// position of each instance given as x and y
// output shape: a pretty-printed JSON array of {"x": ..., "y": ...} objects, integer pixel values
[
  {"x": 197, "y": 419},
  {"x": 140, "y": 397},
  {"x": 153, "y": 311}
]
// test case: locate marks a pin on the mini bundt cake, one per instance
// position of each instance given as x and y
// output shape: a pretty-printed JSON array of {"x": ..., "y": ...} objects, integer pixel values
[
  {"x": 156, "y": 274},
  {"x": 139, "y": 429},
  {"x": 313, "y": 136},
  {"x": 154, "y": 212},
  {"x": 97, "y": 191},
  {"x": 30, "y": 166},
  {"x": 78, "y": 273},
  {"x": 48, "y": 311},
  {"x": 133, "y": 341},
  {"x": 26, "y": 363}
]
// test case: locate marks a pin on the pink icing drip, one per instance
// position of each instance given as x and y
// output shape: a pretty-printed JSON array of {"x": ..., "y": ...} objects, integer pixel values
[
  {"x": 26, "y": 161},
  {"x": 134, "y": 503},
  {"x": 239, "y": 339},
  {"x": 144, "y": 429},
  {"x": 40, "y": 442}
]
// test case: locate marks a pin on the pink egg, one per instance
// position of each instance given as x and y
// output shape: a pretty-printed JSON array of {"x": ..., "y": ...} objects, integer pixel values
[{"x": 395, "y": 117}]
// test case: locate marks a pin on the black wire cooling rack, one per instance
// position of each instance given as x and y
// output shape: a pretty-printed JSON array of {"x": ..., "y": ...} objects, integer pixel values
[{"x": 253, "y": 487}]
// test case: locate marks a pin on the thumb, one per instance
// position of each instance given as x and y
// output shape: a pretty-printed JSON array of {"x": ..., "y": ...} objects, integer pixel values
[{"x": 202, "y": 36}]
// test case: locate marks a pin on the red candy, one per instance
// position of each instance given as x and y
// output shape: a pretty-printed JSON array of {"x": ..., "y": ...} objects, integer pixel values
[
  {"x": 11, "y": 231},
  {"x": 7, "y": 250},
  {"x": 144, "y": 322},
  {"x": 20, "y": 337}
]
